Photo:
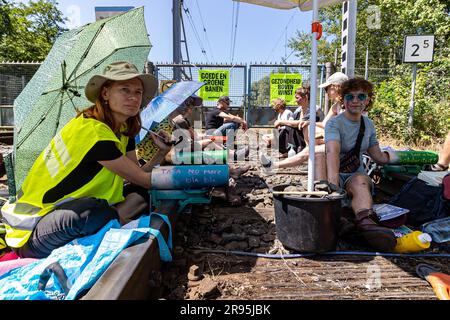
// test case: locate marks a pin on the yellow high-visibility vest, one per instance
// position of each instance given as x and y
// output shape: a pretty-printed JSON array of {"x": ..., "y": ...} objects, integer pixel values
[{"x": 56, "y": 162}]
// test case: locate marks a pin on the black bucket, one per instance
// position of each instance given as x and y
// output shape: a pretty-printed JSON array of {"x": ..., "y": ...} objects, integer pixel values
[{"x": 307, "y": 224}]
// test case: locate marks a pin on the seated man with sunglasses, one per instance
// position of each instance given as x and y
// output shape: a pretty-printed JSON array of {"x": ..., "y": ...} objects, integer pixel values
[{"x": 347, "y": 136}]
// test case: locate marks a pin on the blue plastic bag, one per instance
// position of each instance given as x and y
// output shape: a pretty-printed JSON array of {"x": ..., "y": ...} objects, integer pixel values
[
  {"x": 23, "y": 283},
  {"x": 79, "y": 263}
]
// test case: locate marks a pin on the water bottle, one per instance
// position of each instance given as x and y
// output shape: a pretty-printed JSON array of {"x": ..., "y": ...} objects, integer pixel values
[{"x": 413, "y": 242}]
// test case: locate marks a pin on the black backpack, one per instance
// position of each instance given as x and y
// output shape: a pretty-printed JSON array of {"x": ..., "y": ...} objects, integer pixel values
[{"x": 425, "y": 202}]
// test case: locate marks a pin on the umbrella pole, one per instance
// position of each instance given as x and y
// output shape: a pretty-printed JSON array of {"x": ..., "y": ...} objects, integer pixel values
[{"x": 312, "y": 102}]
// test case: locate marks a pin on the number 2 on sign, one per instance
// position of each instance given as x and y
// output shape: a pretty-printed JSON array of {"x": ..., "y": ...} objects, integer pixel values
[{"x": 426, "y": 44}]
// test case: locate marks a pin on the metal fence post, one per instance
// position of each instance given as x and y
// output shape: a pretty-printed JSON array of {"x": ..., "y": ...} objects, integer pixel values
[
  {"x": 249, "y": 90},
  {"x": 246, "y": 102},
  {"x": 329, "y": 70},
  {"x": 321, "y": 90},
  {"x": 366, "y": 71}
]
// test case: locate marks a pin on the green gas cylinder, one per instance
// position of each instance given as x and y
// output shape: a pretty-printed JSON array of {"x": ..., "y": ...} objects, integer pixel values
[
  {"x": 412, "y": 157},
  {"x": 201, "y": 157}
]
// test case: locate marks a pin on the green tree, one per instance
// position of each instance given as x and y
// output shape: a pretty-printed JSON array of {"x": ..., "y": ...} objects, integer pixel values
[
  {"x": 260, "y": 92},
  {"x": 385, "y": 39},
  {"x": 330, "y": 18},
  {"x": 392, "y": 79},
  {"x": 5, "y": 20},
  {"x": 29, "y": 30}
]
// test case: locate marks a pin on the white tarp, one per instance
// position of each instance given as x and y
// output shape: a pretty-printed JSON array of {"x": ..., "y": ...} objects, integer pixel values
[{"x": 304, "y": 5}]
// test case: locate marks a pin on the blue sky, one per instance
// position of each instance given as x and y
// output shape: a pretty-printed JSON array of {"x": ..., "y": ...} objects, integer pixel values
[{"x": 261, "y": 32}]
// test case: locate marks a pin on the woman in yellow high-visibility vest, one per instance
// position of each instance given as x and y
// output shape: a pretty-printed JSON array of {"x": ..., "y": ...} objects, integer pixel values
[{"x": 76, "y": 185}]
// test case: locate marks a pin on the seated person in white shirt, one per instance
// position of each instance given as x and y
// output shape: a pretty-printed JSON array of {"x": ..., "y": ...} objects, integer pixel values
[{"x": 281, "y": 135}]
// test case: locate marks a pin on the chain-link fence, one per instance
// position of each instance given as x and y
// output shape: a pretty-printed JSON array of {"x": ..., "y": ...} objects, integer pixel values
[
  {"x": 382, "y": 66},
  {"x": 14, "y": 76},
  {"x": 259, "y": 111},
  {"x": 249, "y": 92},
  {"x": 237, "y": 82}
]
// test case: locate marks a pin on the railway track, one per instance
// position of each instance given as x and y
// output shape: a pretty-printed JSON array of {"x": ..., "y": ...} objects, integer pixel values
[
  {"x": 198, "y": 272},
  {"x": 6, "y": 135}
]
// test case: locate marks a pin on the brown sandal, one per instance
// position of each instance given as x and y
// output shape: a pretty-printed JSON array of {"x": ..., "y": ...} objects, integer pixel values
[{"x": 378, "y": 237}]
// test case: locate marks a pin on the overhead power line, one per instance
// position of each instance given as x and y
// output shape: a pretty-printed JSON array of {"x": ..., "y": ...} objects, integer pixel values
[
  {"x": 231, "y": 33},
  {"x": 197, "y": 37},
  {"x": 283, "y": 33},
  {"x": 234, "y": 26},
  {"x": 204, "y": 30}
]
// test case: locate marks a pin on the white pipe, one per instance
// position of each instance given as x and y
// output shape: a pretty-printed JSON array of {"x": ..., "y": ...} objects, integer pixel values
[{"x": 312, "y": 102}]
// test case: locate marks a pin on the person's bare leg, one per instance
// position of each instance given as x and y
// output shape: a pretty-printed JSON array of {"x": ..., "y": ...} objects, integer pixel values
[
  {"x": 131, "y": 208},
  {"x": 210, "y": 144},
  {"x": 305, "y": 131},
  {"x": 320, "y": 134},
  {"x": 444, "y": 155},
  {"x": 358, "y": 188},
  {"x": 299, "y": 158},
  {"x": 379, "y": 237},
  {"x": 267, "y": 138},
  {"x": 320, "y": 171},
  {"x": 293, "y": 161}
]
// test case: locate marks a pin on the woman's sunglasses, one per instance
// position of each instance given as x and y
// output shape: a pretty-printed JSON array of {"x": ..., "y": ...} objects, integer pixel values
[{"x": 361, "y": 97}]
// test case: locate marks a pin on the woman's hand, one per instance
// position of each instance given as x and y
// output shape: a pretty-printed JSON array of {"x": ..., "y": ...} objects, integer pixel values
[{"x": 162, "y": 144}]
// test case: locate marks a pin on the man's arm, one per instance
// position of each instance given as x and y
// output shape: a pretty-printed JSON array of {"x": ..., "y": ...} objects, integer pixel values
[
  {"x": 380, "y": 157},
  {"x": 333, "y": 149},
  {"x": 320, "y": 125},
  {"x": 230, "y": 117},
  {"x": 290, "y": 123}
]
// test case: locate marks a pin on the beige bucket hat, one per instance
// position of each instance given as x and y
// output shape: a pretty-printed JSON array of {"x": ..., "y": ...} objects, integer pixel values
[
  {"x": 119, "y": 71},
  {"x": 335, "y": 78}
]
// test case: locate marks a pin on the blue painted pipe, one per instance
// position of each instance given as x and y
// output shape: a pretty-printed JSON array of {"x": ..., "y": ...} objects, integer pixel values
[{"x": 189, "y": 177}]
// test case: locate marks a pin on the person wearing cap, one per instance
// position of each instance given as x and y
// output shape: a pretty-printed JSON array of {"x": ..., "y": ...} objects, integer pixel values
[
  {"x": 184, "y": 128},
  {"x": 218, "y": 120},
  {"x": 190, "y": 138},
  {"x": 76, "y": 185},
  {"x": 298, "y": 138},
  {"x": 332, "y": 88}
]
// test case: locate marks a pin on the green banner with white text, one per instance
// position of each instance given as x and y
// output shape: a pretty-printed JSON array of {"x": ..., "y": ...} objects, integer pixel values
[
  {"x": 216, "y": 84},
  {"x": 283, "y": 85}
]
